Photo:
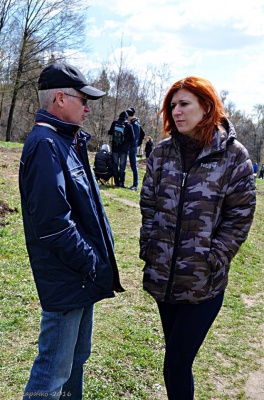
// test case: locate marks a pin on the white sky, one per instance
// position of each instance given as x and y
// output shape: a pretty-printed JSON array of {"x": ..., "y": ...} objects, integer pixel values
[{"x": 221, "y": 41}]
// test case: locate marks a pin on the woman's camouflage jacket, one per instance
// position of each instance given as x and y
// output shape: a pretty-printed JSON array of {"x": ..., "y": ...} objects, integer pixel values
[{"x": 193, "y": 223}]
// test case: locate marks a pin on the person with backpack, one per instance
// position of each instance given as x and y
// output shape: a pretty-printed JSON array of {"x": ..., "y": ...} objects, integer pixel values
[
  {"x": 139, "y": 136},
  {"x": 122, "y": 135},
  {"x": 103, "y": 164}
]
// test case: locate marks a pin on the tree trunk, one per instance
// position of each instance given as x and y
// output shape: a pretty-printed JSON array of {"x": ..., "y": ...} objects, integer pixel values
[
  {"x": 10, "y": 116},
  {"x": 16, "y": 89}
]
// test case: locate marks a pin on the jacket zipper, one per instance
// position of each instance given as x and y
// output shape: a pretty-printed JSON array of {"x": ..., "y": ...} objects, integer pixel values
[
  {"x": 177, "y": 234},
  {"x": 85, "y": 161},
  {"x": 178, "y": 228}
]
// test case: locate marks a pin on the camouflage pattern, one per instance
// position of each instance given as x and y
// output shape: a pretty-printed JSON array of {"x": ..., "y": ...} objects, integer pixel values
[{"x": 193, "y": 224}]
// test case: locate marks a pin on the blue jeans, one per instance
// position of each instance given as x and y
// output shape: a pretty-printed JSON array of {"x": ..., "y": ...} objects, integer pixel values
[
  {"x": 65, "y": 343},
  {"x": 119, "y": 168},
  {"x": 185, "y": 327},
  {"x": 133, "y": 164}
]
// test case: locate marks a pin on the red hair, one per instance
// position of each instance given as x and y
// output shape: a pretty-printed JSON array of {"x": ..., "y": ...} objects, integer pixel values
[{"x": 208, "y": 100}]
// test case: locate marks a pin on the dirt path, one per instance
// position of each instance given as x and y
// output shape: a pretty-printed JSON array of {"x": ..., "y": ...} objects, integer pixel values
[
  {"x": 124, "y": 201},
  {"x": 255, "y": 384}
]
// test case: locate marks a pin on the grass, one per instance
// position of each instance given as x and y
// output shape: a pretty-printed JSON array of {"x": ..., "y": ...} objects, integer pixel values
[{"x": 128, "y": 346}]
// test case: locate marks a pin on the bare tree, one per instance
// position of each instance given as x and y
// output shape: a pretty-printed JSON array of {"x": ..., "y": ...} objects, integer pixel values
[
  {"x": 5, "y": 9},
  {"x": 42, "y": 27},
  {"x": 118, "y": 80},
  {"x": 155, "y": 84},
  {"x": 98, "y": 124},
  {"x": 249, "y": 128}
]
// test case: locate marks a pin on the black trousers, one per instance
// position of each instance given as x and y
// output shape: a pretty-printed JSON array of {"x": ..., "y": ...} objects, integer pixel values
[
  {"x": 185, "y": 327},
  {"x": 103, "y": 175}
]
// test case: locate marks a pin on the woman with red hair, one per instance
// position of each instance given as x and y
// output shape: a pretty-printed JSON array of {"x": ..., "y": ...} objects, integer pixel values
[{"x": 197, "y": 204}]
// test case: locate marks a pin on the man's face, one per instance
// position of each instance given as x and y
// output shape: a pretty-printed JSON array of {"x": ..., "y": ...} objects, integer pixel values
[{"x": 73, "y": 107}]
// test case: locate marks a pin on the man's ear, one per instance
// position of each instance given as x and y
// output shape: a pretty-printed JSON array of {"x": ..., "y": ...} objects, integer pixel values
[{"x": 59, "y": 98}]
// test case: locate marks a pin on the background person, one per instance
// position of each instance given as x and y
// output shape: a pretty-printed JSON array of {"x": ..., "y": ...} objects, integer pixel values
[
  {"x": 255, "y": 168},
  {"x": 103, "y": 164},
  {"x": 68, "y": 237},
  {"x": 139, "y": 136},
  {"x": 197, "y": 204},
  {"x": 261, "y": 172},
  {"x": 120, "y": 147},
  {"x": 148, "y": 146}
]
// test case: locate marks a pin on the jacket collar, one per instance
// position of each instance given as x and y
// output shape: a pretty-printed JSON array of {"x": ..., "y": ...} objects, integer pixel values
[
  {"x": 221, "y": 138},
  {"x": 62, "y": 127}
]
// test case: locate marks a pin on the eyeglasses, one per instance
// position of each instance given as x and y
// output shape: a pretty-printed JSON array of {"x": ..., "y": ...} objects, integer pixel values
[{"x": 84, "y": 99}]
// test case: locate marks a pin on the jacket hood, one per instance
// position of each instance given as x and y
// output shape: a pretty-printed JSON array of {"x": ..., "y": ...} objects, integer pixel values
[
  {"x": 135, "y": 119},
  {"x": 121, "y": 121},
  {"x": 225, "y": 135},
  {"x": 105, "y": 147}
]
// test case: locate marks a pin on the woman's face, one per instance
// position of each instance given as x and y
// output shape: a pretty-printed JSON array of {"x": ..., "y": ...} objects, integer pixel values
[{"x": 186, "y": 112}]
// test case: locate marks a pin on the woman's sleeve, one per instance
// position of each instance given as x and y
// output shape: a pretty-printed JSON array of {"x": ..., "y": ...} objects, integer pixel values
[
  {"x": 147, "y": 205},
  {"x": 237, "y": 210}
]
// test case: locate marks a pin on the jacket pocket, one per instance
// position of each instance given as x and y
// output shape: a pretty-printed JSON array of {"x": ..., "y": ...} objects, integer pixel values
[
  {"x": 143, "y": 250},
  {"x": 217, "y": 261},
  {"x": 92, "y": 273},
  {"x": 77, "y": 172}
]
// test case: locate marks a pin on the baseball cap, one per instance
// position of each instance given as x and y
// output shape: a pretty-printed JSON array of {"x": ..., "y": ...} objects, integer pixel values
[
  {"x": 123, "y": 115},
  {"x": 131, "y": 111},
  {"x": 63, "y": 75}
]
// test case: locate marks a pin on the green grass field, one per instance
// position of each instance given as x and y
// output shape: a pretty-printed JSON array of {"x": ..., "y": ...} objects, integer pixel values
[{"x": 128, "y": 346}]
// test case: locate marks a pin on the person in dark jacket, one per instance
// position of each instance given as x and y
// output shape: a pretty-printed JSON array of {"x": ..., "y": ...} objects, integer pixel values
[
  {"x": 261, "y": 173},
  {"x": 197, "y": 203},
  {"x": 148, "y": 146},
  {"x": 68, "y": 236},
  {"x": 103, "y": 164},
  {"x": 133, "y": 148},
  {"x": 122, "y": 135}
]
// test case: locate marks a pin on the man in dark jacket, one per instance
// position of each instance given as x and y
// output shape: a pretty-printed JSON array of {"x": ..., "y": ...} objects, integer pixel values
[
  {"x": 139, "y": 136},
  {"x": 122, "y": 135},
  {"x": 103, "y": 164},
  {"x": 68, "y": 237}
]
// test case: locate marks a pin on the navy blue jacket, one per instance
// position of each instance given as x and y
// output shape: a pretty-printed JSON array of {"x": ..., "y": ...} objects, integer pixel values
[
  {"x": 68, "y": 236},
  {"x": 138, "y": 131}
]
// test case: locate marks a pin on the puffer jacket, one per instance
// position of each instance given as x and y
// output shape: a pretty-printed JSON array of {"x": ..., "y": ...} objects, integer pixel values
[
  {"x": 103, "y": 161},
  {"x": 193, "y": 223},
  {"x": 68, "y": 237}
]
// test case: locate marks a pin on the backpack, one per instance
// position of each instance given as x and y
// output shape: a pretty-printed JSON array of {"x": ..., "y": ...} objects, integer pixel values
[{"x": 118, "y": 136}]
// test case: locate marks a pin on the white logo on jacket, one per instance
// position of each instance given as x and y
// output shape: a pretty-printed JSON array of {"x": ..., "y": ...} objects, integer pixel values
[{"x": 211, "y": 165}]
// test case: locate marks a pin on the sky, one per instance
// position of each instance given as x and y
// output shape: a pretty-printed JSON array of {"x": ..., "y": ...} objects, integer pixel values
[{"x": 221, "y": 41}]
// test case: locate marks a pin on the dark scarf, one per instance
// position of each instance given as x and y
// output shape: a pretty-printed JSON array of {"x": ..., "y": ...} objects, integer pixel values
[{"x": 190, "y": 149}]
